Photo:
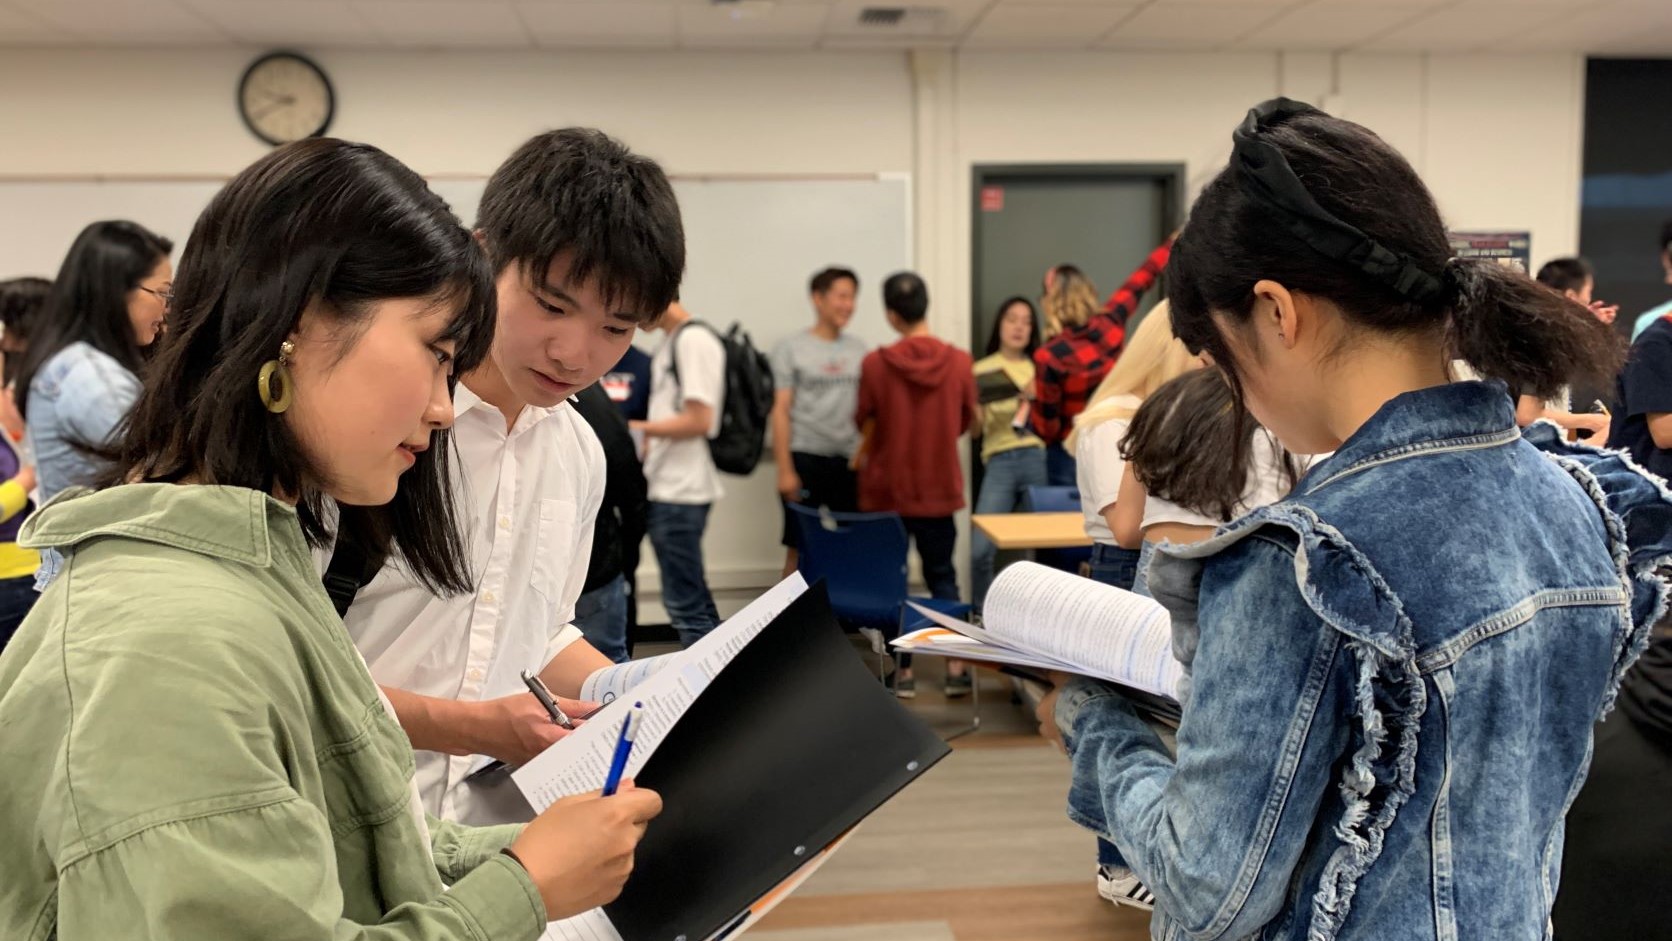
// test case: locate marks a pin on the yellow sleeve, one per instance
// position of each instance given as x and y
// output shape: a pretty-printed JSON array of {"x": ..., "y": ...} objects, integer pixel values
[{"x": 13, "y": 498}]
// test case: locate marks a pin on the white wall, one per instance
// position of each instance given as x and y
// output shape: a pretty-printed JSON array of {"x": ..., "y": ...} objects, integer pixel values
[
  {"x": 172, "y": 111},
  {"x": 1497, "y": 138}
]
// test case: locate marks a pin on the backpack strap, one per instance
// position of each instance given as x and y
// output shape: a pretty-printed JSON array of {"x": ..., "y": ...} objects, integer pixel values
[{"x": 345, "y": 575}]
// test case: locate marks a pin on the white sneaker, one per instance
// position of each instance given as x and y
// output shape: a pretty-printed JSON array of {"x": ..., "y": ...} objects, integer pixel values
[{"x": 1120, "y": 885}]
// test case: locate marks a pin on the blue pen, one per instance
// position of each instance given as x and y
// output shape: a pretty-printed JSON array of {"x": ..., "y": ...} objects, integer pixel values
[{"x": 623, "y": 748}]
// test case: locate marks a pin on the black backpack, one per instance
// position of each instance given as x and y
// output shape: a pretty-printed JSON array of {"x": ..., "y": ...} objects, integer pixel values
[{"x": 742, "y": 438}]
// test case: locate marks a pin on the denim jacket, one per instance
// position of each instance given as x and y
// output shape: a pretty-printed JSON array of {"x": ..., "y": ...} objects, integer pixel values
[
  {"x": 79, "y": 395},
  {"x": 1395, "y": 677}
]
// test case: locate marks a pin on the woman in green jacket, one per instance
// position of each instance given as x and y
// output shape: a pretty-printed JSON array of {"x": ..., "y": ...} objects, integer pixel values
[{"x": 194, "y": 748}]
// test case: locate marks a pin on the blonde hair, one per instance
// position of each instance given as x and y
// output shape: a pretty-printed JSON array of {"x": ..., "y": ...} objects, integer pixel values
[
  {"x": 1070, "y": 302},
  {"x": 1152, "y": 358}
]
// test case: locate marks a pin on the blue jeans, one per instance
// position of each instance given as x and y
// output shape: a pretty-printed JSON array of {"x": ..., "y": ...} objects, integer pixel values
[
  {"x": 601, "y": 615},
  {"x": 1004, "y": 485},
  {"x": 1060, "y": 467},
  {"x": 1140, "y": 583},
  {"x": 1115, "y": 566},
  {"x": 676, "y": 536}
]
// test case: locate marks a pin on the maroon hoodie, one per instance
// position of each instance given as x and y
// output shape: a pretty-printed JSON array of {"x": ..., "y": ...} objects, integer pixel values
[{"x": 921, "y": 394}]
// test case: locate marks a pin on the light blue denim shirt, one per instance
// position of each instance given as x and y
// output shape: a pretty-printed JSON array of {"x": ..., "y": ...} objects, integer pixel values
[
  {"x": 1396, "y": 671},
  {"x": 79, "y": 395}
]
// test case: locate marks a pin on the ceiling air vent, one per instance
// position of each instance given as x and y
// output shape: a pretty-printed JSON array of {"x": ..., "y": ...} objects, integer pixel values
[{"x": 882, "y": 16}]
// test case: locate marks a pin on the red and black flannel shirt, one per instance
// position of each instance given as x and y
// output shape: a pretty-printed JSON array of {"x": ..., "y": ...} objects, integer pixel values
[{"x": 1069, "y": 367}]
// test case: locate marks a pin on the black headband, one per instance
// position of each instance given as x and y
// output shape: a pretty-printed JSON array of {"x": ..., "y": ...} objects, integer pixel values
[{"x": 1266, "y": 176}]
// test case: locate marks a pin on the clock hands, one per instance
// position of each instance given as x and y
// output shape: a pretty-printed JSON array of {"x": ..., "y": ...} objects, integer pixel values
[{"x": 278, "y": 101}]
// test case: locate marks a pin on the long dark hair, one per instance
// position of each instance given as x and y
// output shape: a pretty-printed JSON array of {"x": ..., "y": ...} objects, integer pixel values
[
  {"x": 993, "y": 339},
  {"x": 21, "y": 301},
  {"x": 1192, "y": 443},
  {"x": 88, "y": 302},
  {"x": 1325, "y": 207},
  {"x": 334, "y": 227}
]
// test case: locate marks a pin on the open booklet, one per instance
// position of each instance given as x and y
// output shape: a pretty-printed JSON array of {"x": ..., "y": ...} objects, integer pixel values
[
  {"x": 1040, "y": 619},
  {"x": 772, "y": 702}
]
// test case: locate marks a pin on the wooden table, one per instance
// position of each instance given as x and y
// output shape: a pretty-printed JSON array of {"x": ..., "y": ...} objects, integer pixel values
[{"x": 1033, "y": 530}]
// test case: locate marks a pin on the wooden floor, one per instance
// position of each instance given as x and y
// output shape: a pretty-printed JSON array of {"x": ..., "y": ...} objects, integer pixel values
[{"x": 978, "y": 849}]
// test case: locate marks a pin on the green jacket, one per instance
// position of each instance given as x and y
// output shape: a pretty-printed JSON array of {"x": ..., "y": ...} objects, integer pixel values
[{"x": 194, "y": 750}]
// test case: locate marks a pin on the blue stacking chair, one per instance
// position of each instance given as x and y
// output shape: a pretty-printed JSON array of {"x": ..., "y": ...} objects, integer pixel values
[
  {"x": 1057, "y": 500},
  {"x": 862, "y": 559}
]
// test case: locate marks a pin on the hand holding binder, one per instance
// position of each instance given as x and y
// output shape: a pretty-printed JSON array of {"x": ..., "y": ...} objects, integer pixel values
[{"x": 768, "y": 741}]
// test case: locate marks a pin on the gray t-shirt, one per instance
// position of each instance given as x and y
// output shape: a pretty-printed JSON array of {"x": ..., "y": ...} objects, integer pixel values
[{"x": 825, "y": 377}]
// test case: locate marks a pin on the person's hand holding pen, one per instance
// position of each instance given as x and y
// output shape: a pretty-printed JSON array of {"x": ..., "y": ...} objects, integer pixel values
[
  {"x": 515, "y": 728},
  {"x": 579, "y": 852}
]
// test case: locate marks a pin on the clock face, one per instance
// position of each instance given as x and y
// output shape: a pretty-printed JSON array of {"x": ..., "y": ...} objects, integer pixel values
[{"x": 284, "y": 97}]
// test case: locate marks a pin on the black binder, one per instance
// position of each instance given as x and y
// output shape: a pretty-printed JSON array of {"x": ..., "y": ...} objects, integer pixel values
[
  {"x": 790, "y": 746},
  {"x": 995, "y": 385}
]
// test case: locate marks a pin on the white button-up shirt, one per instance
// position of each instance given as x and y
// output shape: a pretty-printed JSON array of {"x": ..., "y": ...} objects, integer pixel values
[{"x": 528, "y": 499}]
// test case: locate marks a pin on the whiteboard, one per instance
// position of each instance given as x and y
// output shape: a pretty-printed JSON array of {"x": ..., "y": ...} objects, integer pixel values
[{"x": 751, "y": 246}]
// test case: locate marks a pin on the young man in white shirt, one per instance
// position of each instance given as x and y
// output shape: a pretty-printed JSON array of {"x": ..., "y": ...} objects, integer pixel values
[
  {"x": 687, "y": 396},
  {"x": 586, "y": 242}
]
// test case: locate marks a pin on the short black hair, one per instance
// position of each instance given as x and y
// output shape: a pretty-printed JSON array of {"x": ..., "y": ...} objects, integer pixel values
[
  {"x": 579, "y": 190},
  {"x": 1666, "y": 236},
  {"x": 1566, "y": 274},
  {"x": 824, "y": 280},
  {"x": 907, "y": 296},
  {"x": 266, "y": 249},
  {"x": 994, "y": 340},
  {"x": 88, "y": 302},
  {"x": 21, "y": 303}
]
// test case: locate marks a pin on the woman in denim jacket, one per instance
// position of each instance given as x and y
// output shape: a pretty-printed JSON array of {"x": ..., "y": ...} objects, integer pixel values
[
  {"x": 80, "y": 374},
  {"x": 1398, "y": 666}
]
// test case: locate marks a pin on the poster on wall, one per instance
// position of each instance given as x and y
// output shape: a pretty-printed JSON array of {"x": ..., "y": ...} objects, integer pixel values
[{"x": 1509, "y": 248}]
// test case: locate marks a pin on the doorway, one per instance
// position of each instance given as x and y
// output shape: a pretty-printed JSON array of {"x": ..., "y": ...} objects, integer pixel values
[{"x": 1102, "y": 218}]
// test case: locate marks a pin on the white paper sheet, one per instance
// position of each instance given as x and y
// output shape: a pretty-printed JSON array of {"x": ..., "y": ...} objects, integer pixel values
[
  {"x": 578, "y": 763},
  {"x": 612, "y": 682}
]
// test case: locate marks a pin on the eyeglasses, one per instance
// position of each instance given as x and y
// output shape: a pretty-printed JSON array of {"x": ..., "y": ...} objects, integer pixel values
[{"x": 166, "y": 296}]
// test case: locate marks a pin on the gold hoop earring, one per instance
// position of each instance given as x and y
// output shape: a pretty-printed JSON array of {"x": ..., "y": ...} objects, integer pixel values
[{"x": 274, "y": 383}]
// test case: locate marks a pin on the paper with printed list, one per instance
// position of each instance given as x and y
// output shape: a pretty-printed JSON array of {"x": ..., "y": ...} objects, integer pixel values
[
  {"x": 1045, "y": 619},
  {"x": 667, "y": 686}
]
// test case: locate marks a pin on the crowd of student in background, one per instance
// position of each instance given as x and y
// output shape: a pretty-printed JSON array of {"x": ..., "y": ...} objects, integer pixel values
[{"x": 1172, "y": 424}]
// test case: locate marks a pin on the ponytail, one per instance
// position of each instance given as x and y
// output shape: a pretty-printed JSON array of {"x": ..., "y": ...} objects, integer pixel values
[{"x": 1508, "y": 326}]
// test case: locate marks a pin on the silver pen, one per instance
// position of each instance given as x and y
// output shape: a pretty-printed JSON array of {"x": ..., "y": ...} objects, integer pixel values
[{"x": 546, "y": 699}]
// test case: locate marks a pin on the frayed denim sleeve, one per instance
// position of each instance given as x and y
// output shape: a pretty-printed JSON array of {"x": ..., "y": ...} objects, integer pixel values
[
  {"x": 1637, "y": 509},
  {"x": 1218, "y": 833}
]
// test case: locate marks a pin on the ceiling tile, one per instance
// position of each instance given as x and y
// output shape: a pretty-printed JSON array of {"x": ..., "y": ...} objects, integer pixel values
[
  {"x": 1330, "y": 29},
  {"x": 1408, "y": 5},
  {"x": 1638, "y": 27},
  {"x": 1469, "y": 26},
  {"x": 19, "y": 27},
  {"x": 783, "y": 26},
  {"x": 126, "y": 22},
  {"x": 927, "y": 21},
  {"x": 444, "y": 23},
  {"x": 1035, "y": 25},
  {"x": 1178, "y": 25},
  {"x": 613, "y": 24},
  {"x": 289, "y": 23}
]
